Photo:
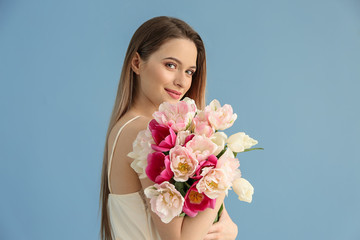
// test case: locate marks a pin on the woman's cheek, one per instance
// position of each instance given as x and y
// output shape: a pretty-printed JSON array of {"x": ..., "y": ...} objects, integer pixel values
[
  {"x": 188, "y": 84},
  {"x": 166, "y": 76}
]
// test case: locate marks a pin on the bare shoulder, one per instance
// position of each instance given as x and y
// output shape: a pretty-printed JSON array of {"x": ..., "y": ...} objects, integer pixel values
[
  {"x": 129, "y": 134},
  {"x": 135, "y": 126}
]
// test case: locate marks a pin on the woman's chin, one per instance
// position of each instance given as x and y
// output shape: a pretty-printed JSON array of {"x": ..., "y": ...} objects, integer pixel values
[{"x": 170, "y": 100}]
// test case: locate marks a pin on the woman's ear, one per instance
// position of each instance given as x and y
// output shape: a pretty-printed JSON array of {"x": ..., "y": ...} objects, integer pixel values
[{"x": 135, "y": 63}]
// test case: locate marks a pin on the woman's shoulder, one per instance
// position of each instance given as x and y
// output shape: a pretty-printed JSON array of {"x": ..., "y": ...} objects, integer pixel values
[
  {"x": 135, "y": 122},
  {"x": 123, "y": 139},
  {"x": 132, "y": 123}
]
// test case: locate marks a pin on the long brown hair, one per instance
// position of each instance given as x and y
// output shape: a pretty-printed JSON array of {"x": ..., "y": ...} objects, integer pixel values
[{"x": 146, "y": 40}]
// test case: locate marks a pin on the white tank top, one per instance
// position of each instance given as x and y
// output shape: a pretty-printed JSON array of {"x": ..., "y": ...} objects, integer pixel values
[{"x": 129, "y": 216}]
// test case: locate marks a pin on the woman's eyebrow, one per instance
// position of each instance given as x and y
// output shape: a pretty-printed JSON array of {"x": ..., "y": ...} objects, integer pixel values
[{"x": 178, "y": 61}]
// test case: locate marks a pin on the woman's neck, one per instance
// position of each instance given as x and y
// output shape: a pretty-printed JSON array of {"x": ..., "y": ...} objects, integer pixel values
[{"x": 143, "y": 107}]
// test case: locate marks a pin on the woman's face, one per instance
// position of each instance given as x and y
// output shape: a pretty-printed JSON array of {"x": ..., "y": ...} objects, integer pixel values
[{"x": 167, "y": 74}]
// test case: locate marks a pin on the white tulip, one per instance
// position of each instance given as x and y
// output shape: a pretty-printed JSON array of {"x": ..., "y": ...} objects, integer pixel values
[
  {"x": 238, "y": 142},
  {"x": 141, "y": 149},
  {"x": 243, "y": 189},
  {"x": 219, "y": 138}
]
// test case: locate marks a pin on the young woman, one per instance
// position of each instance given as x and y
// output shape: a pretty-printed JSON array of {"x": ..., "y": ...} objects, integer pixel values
[{"x": 165, "y": 61}]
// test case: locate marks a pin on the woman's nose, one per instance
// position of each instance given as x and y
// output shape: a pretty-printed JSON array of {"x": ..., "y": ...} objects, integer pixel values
[{"x": 180, "y": 78}]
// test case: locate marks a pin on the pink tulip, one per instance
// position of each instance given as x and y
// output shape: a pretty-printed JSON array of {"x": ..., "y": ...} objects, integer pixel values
[
  {"x": 196, "y": 202},
  {"x": 229, "y": 164},
  {"x": 183, "y": 163},
  {"x": 177, "y": 116},
  {"x": 156, "y": 164},
  {"x": 201, "y": 124},
  {"x": 183, "y": 137},
  {"x": 214, "y": 182},
  {"x": 188, "y": 138},
  {"x": 201, "y": 146},
  {"x": 211, "y": 161},
  {"x": 166, "y": 174},
  {"x": 165, "y": 200},
  {"x": 163, "y": 136},
  {"x": 220, "y": 117}
]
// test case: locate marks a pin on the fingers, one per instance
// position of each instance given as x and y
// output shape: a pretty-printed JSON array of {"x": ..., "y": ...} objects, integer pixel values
[
  {"x": 224, "y": 229},
  {"x": 212, "y": 236},
  {"x": 224, "y": 214},
  {"x": 216, "y": 227}
]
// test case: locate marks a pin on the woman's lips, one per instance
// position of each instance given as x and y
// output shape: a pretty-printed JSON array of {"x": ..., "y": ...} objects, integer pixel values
[{"x": 174, "y": 94}]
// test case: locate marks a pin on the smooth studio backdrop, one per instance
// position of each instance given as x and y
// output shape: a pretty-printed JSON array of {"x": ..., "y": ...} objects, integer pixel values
[{"x": 290, "y": 69}]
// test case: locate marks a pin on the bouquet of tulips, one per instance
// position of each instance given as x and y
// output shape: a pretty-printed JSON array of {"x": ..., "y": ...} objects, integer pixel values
[{"x": 190, "y": 159}]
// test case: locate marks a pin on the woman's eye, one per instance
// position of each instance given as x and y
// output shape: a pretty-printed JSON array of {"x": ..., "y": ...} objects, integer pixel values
[
  {"x": 190, "y": 72},
  {"x": 171, "y": 65}
]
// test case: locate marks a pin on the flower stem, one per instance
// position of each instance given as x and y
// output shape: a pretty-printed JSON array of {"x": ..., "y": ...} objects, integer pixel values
[{"x": 219, "y": 213}]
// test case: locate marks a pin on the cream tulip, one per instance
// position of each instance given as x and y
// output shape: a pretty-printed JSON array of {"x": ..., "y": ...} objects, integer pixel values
[
  {"x": 219, "y": 138},
  {"x": 238, "y": 142},
  {"x": 243, "y": 189}
]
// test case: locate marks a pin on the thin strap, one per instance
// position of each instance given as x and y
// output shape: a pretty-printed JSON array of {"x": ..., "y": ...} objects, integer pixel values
[{"x": 113, "y": 148}]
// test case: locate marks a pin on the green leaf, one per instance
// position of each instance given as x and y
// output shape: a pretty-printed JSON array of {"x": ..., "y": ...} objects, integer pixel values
[
  {"x": 180, "y": 186},
  {"x": 250, "y": 149},
  {"x": 188, "y": 185}
]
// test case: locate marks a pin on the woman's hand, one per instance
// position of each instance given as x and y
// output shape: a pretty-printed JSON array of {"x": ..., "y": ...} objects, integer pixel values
[{"x": 224, "y": 229}]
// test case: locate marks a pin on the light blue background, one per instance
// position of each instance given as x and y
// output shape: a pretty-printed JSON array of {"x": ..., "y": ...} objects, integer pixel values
[{"x": 290, "y": 69}]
